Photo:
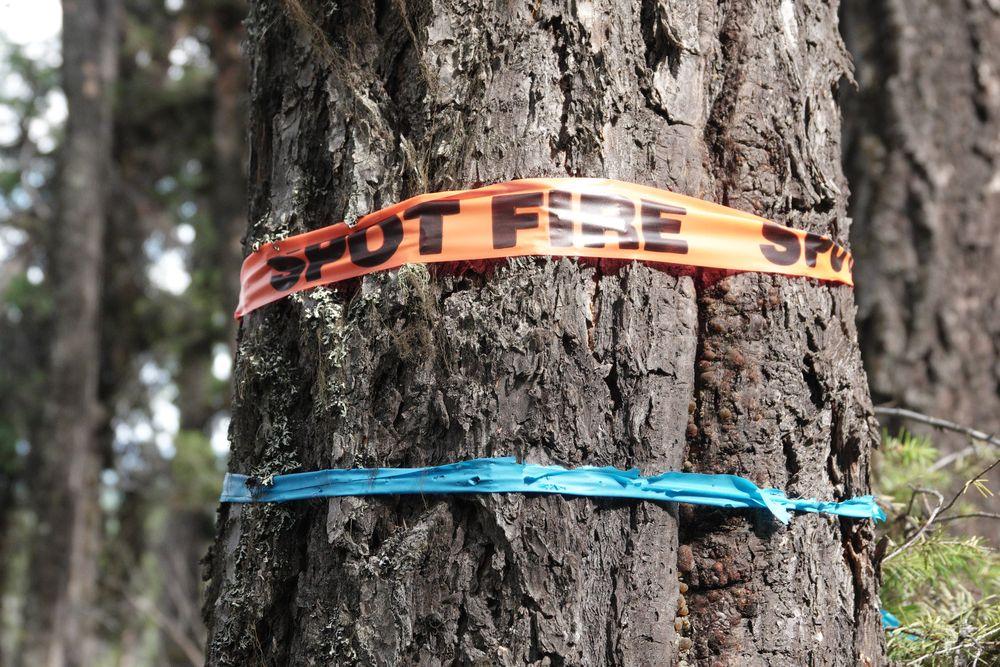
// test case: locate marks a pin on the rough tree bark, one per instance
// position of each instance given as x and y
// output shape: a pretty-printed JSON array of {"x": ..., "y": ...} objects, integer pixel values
[
  {"x": 922, "y": 155},
  {"x": 358, "y": 105},
  {"x": 64, "y": 566}
]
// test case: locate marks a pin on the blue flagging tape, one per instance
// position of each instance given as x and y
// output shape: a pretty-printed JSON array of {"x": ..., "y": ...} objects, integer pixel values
[
  {"x": 506, "y": 475},
  {"x": 889, "y": 620},
  {"x": 891, "y": 623}
]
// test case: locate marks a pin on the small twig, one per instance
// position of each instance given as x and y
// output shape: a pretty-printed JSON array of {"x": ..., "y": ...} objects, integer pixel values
[
  {"x": 939, "y": 510},
  {"x": 169, "y": 625},
  {"x": 948, "y": 459},
  {"x": 965, "y": 487},
  {"x": 939, "y": 423},
  {"x": 933, "y": 515},
  {"x": 909, "y": 507},
  {"x": 970, "y": 515},
  {"x": 957, "y": 647},
  {"x": 191, "y": 651},
  {"x": 906, "y": 631}
]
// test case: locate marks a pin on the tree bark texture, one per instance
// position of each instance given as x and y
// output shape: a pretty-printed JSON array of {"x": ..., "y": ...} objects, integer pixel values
[
  {"x": 64, "y": 566},
  {"x": 922, "y": 147},
  {"x": 355, "y": 106}
]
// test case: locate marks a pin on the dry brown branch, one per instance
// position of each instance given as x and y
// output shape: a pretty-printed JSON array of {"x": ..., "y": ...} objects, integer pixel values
[{"x": 939, "y": 423}]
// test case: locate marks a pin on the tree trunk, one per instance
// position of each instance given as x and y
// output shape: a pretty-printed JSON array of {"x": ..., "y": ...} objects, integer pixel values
[
  {"x": 65, "y": 562},
  {"x": 217, "y": 257},
  {"x": 923, "y": 161},
  {"x": 354, "y": 107},
  {"x": 229, "y": 183}
]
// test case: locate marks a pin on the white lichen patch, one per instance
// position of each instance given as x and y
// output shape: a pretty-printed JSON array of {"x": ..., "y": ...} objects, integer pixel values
[
  {"x": 278, "y": 449},
  {"x": 271, "y": 229},
  {"x": 323, "y": 312},
  {"x": 414, "y": 281},
  {"x": 322, "y": 308}
]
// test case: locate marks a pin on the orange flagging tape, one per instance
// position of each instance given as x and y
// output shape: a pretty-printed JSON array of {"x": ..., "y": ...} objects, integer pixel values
[{"x": 580, "y": 217}]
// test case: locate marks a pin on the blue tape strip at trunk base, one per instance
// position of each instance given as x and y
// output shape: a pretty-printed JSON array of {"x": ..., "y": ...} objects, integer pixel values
[
  {"x": 890, "y": 624},
  {"x": 506, "y": 475},
  {"x": 889, "y": 620}
]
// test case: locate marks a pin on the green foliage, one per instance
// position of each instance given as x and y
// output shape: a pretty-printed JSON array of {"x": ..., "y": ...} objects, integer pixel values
[
  {"x": 943, "y": 585},
  {"x": 194, "y": 472},
  {"x": 159, "y": 501},
  {"x": 906, "y": 461}
]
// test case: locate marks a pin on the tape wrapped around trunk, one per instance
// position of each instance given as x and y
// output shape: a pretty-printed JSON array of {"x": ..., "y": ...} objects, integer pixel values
[
  {"x": 506, "y": 475},
  {"x": 580, "y": 217}
]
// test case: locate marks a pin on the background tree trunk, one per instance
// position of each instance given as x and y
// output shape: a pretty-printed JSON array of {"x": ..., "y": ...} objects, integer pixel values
[
  {"x": 355, "y": 106},
  {"x": 188, "y": 528},
  {"x": 922, "y": 156},
  {"x": 64, "y": 568}
]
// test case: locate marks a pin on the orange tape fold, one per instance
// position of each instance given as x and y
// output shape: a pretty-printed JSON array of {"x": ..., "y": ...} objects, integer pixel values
[{"x": 579, "y": 217}]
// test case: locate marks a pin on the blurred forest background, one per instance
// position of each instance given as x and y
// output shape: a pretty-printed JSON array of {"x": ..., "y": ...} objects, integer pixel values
[
  {"x": 176, "y": 187},
  {"x": 922, "y": 154}
]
